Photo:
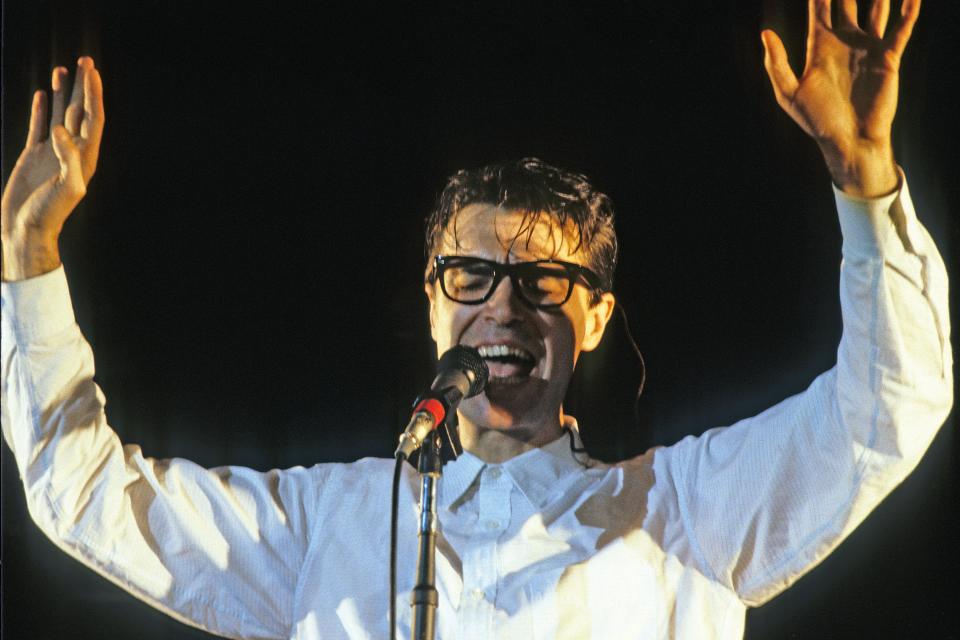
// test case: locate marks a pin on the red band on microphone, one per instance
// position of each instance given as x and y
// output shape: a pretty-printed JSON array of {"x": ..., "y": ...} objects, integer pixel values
[{"x": 434, "y": 407}]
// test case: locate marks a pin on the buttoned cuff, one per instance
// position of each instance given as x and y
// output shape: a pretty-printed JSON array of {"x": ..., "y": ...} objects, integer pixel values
[
  {"x": 874, "y": 226},
  {"x": 36, "y": 308}
]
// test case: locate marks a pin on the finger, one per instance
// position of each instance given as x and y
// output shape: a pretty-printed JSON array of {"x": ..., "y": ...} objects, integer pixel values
[
  {"x": 92, "y": 104},
  {"x": 57, "y": 83},
  {"x": 38, "y": 118},
  {"x": 848, "y": 14},
  {"x": 879, "y": 13},
  {"x": 91, "y": 129},
  {"x": 782, "y": 78},
  {"x": 70, "y": 181},
  {"x": 898, "y": 38},
  {"x": 74, "y": 114},
  {"x": 819, "y": 11},
  {"x": 818, "y": 17}
]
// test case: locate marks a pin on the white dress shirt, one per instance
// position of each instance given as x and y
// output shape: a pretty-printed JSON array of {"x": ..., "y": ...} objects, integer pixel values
[{"x": 675, "y": 543}]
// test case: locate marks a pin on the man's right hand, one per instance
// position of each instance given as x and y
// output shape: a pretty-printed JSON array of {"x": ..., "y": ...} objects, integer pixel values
[{"x": 52, "y": 172}]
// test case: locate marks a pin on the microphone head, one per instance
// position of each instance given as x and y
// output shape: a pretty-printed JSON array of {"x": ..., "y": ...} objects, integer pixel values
[{"x": 468, "y": 360}]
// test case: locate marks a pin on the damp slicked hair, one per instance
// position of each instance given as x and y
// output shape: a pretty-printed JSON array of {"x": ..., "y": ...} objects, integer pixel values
[{"x": 535, "y": 189}]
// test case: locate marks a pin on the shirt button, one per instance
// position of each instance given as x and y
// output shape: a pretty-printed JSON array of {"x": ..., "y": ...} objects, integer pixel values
[
  {"x": 477, "y": 594},
  {"x": 495, "y": 473},
  {"x": 493, "y": 524}
]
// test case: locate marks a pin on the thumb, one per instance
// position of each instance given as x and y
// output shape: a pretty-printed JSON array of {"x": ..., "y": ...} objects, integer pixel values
[
  {"x": 782, "y": 78},
  {"x": 70, "y": 181}
]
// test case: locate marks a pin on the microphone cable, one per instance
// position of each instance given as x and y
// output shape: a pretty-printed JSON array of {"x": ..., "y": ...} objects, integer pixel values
[{"x": 643, "y": 364}]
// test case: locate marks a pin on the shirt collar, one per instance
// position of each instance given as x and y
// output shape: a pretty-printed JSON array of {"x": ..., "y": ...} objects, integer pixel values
[{"x": 535, "y": 472}]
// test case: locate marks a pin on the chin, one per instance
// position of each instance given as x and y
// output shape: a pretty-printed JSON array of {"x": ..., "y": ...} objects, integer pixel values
[{"x": 508, "y": 405}]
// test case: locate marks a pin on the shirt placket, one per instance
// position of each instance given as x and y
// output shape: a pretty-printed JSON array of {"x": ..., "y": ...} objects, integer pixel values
[{"x": 481, "y": 568}]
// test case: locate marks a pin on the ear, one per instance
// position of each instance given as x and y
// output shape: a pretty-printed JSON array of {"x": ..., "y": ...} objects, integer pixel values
[
  {"x": 597, "y": 318},
  {"x": 430, "y": 290}
]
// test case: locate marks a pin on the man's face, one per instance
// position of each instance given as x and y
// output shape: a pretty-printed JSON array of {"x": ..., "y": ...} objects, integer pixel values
[{"x": 527, "y": 385}]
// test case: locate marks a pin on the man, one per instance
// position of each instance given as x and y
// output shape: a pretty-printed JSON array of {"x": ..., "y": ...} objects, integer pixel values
[{"x": 537, "y": 540}]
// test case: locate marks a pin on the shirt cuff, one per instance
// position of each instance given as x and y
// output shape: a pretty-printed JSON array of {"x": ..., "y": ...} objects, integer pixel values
[
  {"x": 36, "y": 308},
  {"x": 870, "y": 225}
]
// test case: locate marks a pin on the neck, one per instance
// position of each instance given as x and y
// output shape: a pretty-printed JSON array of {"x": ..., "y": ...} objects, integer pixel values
[{"x": 494, "y": 445}]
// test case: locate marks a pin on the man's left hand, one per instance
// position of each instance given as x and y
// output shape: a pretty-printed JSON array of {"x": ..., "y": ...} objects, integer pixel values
[{"x": 847, "y": 95}]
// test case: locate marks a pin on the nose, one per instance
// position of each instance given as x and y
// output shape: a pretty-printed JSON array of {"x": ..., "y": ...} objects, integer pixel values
[{"x": 504, "y": 306}]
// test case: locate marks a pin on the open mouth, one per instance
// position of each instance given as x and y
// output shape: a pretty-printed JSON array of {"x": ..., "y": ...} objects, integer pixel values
[{"x": 506, "y": 363}]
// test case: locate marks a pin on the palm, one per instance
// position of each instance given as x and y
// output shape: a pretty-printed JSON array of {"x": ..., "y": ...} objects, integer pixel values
[
  {"x": 33, "y": 182},
  {"x": 848, "y": 89}
]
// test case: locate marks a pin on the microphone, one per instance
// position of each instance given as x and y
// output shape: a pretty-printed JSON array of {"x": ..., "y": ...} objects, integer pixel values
[{"x": 461, "y": 373}]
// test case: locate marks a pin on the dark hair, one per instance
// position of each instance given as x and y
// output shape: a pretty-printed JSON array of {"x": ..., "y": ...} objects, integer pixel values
[{"x": 534, "y": 188}]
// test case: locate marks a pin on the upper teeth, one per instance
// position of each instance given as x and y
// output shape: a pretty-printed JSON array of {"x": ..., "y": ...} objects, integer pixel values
[{"x": 499, "y": 350}]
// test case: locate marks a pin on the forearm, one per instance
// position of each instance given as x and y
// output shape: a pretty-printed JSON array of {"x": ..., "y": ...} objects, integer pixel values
[
  {"x": 769, "y": 497},
  {"x": 47, "y": 377},
  {"x": 28, "y": 253},
  {"x": 895, "y": 356},
  {"x": 201, "y": 545}
]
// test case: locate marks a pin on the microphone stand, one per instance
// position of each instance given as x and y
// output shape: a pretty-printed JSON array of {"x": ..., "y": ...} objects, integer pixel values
[{"x": 424, "y": 598}]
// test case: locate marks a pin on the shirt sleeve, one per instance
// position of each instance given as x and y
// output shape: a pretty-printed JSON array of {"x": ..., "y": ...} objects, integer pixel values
[
  {"x": 221, "y": 549},
  {"x": 766, "y": 499}
]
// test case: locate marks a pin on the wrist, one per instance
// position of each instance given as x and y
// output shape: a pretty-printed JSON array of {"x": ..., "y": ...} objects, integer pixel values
[
  {"x": 867, "y": 171},
  {"x": 28, "y": 253}
]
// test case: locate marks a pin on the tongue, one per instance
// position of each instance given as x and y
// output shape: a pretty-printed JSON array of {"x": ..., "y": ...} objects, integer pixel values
[{"x": 500, "y": 369}]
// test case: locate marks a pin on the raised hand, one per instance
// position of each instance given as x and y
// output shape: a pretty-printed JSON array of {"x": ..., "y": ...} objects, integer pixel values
[
  {"x": 847, "y": 95},
  {"x": 52, "y": 172}
]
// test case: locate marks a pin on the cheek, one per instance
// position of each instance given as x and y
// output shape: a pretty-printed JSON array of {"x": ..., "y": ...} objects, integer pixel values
[
  {"x": 579, "y": 318},
  {"x": 448, "y": 325},
  {"x": 563, "y": 343}
]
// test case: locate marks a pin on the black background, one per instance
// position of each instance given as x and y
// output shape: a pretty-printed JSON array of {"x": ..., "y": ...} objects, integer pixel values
[{"x": 247, "y": 261}]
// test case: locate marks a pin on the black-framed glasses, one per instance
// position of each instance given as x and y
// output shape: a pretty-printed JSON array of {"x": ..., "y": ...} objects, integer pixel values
[{"x": 542, "y": 284}]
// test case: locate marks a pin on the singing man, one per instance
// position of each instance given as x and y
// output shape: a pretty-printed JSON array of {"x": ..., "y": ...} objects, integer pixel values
[{"x": 536, "y": 539}]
